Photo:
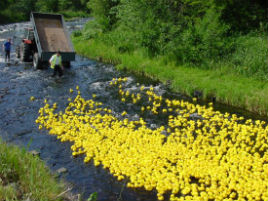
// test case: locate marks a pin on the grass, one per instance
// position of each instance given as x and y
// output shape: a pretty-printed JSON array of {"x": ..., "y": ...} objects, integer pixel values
[
  {"x": 228, "y": 87},
  {"x": 24, "y": 176}
]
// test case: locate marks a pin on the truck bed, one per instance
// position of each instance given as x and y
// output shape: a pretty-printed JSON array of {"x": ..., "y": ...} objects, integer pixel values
[{"x": 52, "y": 35}]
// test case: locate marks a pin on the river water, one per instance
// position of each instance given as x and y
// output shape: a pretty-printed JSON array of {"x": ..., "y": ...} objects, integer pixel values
[{"x": 18, "y": 82}]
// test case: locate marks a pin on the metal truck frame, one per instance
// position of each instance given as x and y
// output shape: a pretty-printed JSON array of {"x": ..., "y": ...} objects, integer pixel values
[{"x": 48, "y": 35}]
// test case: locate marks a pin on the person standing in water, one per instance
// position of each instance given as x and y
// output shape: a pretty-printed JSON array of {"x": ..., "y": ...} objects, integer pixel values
[
  {"x": 56, "y": 64},
  {"x": 7, "y": 48}
]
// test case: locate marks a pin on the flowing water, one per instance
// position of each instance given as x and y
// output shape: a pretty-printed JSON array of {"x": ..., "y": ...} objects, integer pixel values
[{"x": 18, "y": 82}]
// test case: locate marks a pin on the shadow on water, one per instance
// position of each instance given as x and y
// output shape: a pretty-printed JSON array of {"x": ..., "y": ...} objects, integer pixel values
[{"x": 18, "y": 82}]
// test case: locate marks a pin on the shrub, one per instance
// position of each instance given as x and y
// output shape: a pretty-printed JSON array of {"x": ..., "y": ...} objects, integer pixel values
[
  {"x": 105, "y": 12},
  {"x": 250, "y": 56}
]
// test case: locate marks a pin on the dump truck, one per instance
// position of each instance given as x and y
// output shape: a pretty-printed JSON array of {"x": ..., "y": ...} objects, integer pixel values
[{"x": 47, "y": 35}]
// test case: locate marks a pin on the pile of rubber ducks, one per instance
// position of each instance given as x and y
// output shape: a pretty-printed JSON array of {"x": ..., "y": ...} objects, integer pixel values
[{"x": 213, "y": 156}]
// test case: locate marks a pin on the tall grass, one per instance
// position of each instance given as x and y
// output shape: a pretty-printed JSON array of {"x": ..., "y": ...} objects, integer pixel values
[
  {"x": 207, "y": 44},
  {"x": 24, "y": 176},
  {"x": 251, "y": 55},
  {"x": 225, "y": 83}
]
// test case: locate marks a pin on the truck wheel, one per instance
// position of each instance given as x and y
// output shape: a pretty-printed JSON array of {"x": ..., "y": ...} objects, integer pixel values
[
  {"x": 25, "y": 52},
  {"x": 66, "y": 64},
  {"x": 18, "y": 52},
  {"x": 37, "y": 64}
]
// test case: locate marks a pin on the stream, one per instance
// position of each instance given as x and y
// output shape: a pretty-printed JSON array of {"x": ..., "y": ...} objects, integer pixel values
[{"x": 18, "y": 82}]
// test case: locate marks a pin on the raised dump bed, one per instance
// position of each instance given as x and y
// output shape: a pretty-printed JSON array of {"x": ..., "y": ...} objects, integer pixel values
[
  {"x": 48, "y": 35},
  {"x": 52, "y": 35}
]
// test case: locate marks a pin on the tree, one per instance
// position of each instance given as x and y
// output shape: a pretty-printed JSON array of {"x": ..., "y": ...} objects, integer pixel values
[
  {"x": 24, "y": 7},
  {"x": 105, "y": 12},
  {"x": 244, "y": 15},
  {"x": 47, "y": 5}
]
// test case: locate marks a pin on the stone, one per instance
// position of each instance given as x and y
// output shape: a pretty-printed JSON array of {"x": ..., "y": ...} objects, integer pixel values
[
  {"x": 164, "y": 132},
  {"x": 168, "y": 83},
  {"x": 135, "y": 117},
  {"x": 198, "y": 94},
  {"x": 153, "y": 126},
  {"x": 62, "y": 170},
  {"x": 196, "y": 116},
  {"x": 35, "y": 153}
]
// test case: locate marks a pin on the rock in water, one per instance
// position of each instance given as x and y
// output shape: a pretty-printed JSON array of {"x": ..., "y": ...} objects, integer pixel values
[
  {"x": 62, "y": 170},
  {"x": 35, "y": 153}
]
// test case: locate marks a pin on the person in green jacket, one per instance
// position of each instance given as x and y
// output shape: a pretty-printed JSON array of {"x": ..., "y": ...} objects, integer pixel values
[{"x": 56, "y": 64}]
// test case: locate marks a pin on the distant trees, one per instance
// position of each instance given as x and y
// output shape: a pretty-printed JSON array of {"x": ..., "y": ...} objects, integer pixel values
[
  {"x": 241, "y": 15},
  {"x": 58, "y": 5},
  {"x": 105, "y": 12},
  {"x": 244, "y": 15},
  {"x": 18, "y": 10}
]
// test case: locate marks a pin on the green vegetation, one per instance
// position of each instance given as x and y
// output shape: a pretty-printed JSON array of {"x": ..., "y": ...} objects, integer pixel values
[
  {"x": 229, "y": 88},
  {"x": 72, "y": 15},
  {"x": 19, "y": 10},
  {"x": 218, "y": 47},
  {"x": 24, "y": 176},
  {"x": 194, "y": 33}
]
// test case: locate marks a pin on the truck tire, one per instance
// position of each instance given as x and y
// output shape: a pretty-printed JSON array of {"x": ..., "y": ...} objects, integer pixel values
[
  {"x": 25, "y": 52},
  {"x": 66, "y": 64},
  {"x": 18, "y": 52},
  {"x": 37, "y": 64}
]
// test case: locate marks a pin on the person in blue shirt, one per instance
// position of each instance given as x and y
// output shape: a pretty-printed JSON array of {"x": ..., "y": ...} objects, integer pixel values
[{"x": 7, "y": 48}]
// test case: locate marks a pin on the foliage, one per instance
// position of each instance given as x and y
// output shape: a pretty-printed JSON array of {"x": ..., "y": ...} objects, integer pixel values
[
  {"x": 25, "y": 177},
  {"x": 225, "y": 83},
  {"x": 72, "y": 15},
  {"x": 250, "y": 55},
  {"x": 93, "y": 197},
  {"x": 201, "y": 41},
  {"x": 206, "y": 34},
  {"x": 92, "y": 29},
  {"x": 12, "y": 11},
  {"x": 24, "y": 7},
  {"x": 105, "y": 12},
  {"x": 244, "y": 15},
  {"x": 47, "y": 5}
]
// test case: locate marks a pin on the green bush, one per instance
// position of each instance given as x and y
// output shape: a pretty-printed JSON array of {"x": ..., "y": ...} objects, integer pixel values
[
  {"x": 10, "y": 16},
  {"x": 251, "y": 55},
  {"x": 105, "y": 12},
  {"x": 47, "y": 5},
  {"x": 185, "y": 32},
  {"x": 70, "y": 14},
  {"x": 202, "y": 41},
  {"x": 92, "y": 29},
  {"x": 244, "y": 15}
]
